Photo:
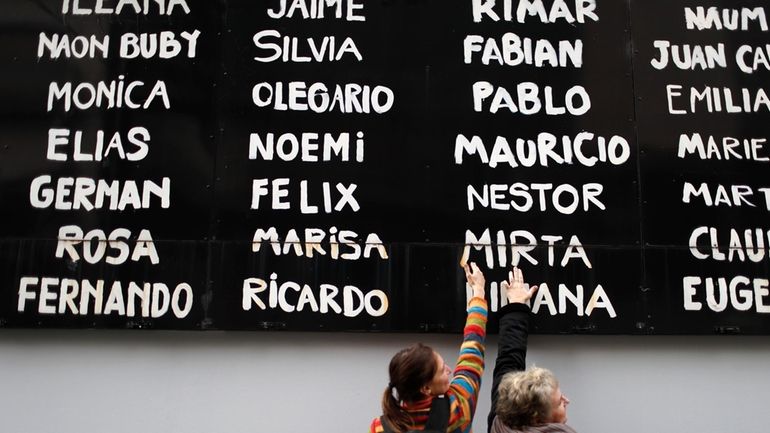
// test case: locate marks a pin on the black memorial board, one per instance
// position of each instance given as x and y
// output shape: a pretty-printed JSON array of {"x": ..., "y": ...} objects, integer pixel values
[
  {"x": 414, "y": 169},
  {"x": 108, "y": 133},
  {"x": 700, "y": 74},
  {"x": 328, "y": 166}
]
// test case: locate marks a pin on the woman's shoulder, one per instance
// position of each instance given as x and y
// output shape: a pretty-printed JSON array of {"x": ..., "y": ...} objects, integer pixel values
[{"x": 376, "y": 426}]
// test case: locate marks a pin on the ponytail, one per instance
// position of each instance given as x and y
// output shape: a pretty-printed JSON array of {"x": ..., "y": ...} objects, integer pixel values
[
  {"x": 410, "y": 369},
  {"x": 393, "y": 413}
]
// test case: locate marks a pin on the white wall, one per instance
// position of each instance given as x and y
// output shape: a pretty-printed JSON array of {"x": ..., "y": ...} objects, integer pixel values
[{"x": 216, "y": 382}]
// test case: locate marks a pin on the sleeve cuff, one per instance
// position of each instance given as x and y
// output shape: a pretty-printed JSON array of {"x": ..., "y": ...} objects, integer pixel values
[
  {"x": 476, "y": 301},
  {"x": 515, "y": 307}
]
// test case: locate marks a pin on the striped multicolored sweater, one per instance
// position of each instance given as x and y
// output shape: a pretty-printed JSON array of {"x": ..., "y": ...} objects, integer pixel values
[{"x": 464, "y": 389}]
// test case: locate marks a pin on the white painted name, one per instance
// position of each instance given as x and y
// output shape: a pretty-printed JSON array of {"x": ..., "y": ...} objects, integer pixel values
[
  {"x": 748, "y": 58},
  {"x": 350, "y": 10},
  {"x": 512, "y": 50},
  {"x": 95, "y": 245},
  {"x": 716, "y": 100},
  {"x": 520, "y": 197},
  {"x": 163, "y": 45},
  {"x": 291, "y": 297},
  {"x": 78, "y": 47},
  {"x": 306, "y": 146},
  {"x": 341, "y": 244},
  {"x": 570, "y": 12},
  {"x": 740, "y": 293},
  {"x": 102, "y": 7},
  {"x": 721, "y": 195},
  {"x": 274, "y": 47},
  {"x": 722, "y": 148},
  {"x": 711, "y": 243},
  {"x": 107, "y": 94},
  {"x": 565, "y": 301},
  {"x": 86, "y": 297},
  {"x": 713, "y": 18},
  {"x": 753, "y": 58},
  {"x": 688, "y": 56},
  {"x": 66, "y": 193},
  {"x": 509, "y": 249},
  {"x": 527, "y": 98},
  {"x": 64, "y": 143},
  {"x": 336, "y": 200},
  {"x": 585, "y": 148},
  {"x": 318, "y": 98}
]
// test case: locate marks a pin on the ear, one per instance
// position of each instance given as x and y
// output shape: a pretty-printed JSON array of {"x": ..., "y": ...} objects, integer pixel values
[{"x": 426, "y": 390}]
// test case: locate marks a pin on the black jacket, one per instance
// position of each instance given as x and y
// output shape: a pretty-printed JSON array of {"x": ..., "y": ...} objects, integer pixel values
[{"x": 512, "y": 347}]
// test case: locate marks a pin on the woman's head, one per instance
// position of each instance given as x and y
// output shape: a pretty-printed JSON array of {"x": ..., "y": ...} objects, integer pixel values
[
  {"x": 530, "y": 397},
  {"x": 416, "y": 372}
]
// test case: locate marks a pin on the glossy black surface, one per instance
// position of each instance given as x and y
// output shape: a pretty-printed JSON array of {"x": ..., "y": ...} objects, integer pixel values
[{"x": 624, "y": 273}]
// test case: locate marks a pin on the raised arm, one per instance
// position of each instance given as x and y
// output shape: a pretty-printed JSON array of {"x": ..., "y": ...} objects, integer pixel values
[
  {"x": 514, "y": 330},
  {"x": 464, "y": 388}
]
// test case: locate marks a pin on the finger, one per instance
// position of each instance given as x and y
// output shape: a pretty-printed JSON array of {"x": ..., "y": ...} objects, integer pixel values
[
  {"x": 519, "y": 276},
  {"x": 475, "y": 268},
  {"x": 515, "y": 274},
  {"x": 532, "y": 290},
  {"x": 510, "y": 278},
  {"x": 464, "y": 258},
  {"x": 467, "y": 270}
]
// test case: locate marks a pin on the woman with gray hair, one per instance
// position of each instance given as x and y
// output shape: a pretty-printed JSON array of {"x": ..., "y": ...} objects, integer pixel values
[{"x": 523, "y": 401}]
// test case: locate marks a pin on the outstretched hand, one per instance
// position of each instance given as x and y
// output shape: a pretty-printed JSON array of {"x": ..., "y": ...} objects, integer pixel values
[
  {"x": 515, "y": 288},
  {"x": 475, "y": 279}
]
